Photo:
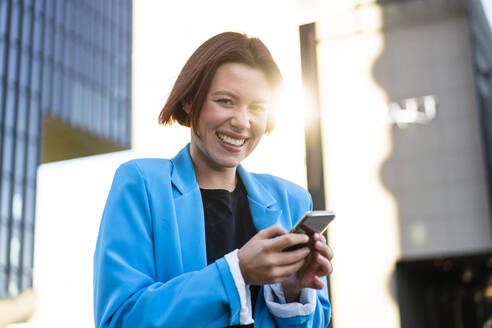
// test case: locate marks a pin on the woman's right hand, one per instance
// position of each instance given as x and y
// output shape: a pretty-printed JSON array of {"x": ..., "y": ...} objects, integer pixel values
[{"x": 262, "y": 260}]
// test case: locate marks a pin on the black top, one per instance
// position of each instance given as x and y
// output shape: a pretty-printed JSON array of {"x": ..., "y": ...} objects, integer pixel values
[{"x": 228, "y": 225}]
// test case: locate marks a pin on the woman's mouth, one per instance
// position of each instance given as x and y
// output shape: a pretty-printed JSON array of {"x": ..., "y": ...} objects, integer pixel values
[{"x": 230, "y": 141}]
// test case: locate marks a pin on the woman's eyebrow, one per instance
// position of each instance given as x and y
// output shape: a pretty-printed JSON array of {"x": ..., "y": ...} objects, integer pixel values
[
  {"x": 225, "y": 93},
  {"x": 260, "y": 101},
  {"x": 235, "y": 97}
]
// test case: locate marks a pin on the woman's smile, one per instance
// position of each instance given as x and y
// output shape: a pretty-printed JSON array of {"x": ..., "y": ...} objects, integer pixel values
[{"x": 231, "y": 140}]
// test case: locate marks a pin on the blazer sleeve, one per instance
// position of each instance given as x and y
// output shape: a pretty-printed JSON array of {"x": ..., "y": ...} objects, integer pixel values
[
  {"x": 321, "y": 315},
  {"x": 126, "y": 292}
]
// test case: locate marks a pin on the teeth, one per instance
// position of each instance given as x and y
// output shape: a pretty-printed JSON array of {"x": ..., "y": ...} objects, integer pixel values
[{"x": 231, "y": 141}]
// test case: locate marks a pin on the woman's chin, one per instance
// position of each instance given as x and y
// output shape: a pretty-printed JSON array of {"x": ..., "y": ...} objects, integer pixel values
[
  {"x": 228, "y": 162},
  {"x": 228, "y": 159}
]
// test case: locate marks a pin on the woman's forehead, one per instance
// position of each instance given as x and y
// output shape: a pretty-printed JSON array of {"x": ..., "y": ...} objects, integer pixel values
[{"x": 241, "y": 81}]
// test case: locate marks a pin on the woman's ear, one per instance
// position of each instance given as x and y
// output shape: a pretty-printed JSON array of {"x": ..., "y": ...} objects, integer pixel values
[{"x": 187, "y": 108}]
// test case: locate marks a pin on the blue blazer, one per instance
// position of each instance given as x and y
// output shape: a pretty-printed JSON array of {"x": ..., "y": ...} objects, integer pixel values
[{"x": 150, "y": 263}]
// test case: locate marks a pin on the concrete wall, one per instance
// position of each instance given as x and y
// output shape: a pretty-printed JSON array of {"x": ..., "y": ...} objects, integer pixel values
[{"x": 436, "y": 171}]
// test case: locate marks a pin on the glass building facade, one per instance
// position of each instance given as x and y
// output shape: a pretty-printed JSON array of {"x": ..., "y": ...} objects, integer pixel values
[{"x": 69, "y": 60}]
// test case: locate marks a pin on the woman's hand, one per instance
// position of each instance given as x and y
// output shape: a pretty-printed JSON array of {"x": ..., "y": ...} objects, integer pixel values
[
  {"x": 317, "y": 265},
  {"x": 262, "y": 261}
]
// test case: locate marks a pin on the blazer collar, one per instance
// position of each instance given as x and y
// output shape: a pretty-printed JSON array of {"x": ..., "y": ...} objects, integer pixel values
[
  {"x": 262, "y": 204},
  {"x": 256, "y": 191},
  {"x": 184, "y": 179},
  {"x": 183, "y": 175}
]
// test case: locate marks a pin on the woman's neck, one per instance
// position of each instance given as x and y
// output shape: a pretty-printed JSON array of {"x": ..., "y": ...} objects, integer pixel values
[
  {"x": 209, "y": 176},
  {"x": 216, "y": 180}
]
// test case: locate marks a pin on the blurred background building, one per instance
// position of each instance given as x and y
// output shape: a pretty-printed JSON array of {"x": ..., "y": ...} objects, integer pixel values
[
  {"x": 65, "y": 81},
  {"x": 396, "y": 99},
  {"x": 405, "y": 107}
]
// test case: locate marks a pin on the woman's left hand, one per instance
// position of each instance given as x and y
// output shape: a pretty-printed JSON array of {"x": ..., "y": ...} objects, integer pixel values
[{"x": 318, "y": 265}]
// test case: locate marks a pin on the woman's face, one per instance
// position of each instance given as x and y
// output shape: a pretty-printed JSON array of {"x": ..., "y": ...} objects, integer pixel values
[{"x": 233, "y": 117}]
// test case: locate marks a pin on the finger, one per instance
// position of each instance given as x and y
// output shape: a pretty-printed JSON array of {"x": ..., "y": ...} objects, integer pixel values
[
  {"x": 311, "y": 267},
  {"x": 324, "y": 250},
  {"x": 288, "y": 240},
  {"x": 312, "y": 281},
  {"x": 317, "y": 236},
  {"x": 318, "y": 283},
  {"x": 273, "y": 231},
  {"x": 324, "y": 266},
  {"x": 279, "y": 273},
  {"x": 285, "y": 258},
  {"x": 317, "y": 265}
]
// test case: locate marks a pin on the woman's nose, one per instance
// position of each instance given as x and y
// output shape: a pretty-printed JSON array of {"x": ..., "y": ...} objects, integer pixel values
[{"x": 241, "y": 118}]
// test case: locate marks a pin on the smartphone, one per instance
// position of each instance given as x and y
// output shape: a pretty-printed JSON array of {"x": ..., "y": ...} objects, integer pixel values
[{"x": 311, "y": 222}]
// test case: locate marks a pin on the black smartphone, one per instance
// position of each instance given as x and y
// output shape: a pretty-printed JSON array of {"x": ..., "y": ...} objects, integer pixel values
[{"x": 311, "y": 222}]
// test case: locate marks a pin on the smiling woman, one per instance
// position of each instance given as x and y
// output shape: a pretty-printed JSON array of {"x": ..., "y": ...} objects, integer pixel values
[{"x": 197, "y": 241}]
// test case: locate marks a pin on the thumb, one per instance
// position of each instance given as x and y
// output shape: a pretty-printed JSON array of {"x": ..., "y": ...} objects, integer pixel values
[{"x": 273, "y": 231}]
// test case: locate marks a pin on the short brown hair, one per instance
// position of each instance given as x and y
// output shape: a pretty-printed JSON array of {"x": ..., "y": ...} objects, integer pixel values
[{"x": 194, "y": 80}]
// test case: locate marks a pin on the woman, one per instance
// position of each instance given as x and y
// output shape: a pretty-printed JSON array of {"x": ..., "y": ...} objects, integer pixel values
[{"x": 196, "y": 241}]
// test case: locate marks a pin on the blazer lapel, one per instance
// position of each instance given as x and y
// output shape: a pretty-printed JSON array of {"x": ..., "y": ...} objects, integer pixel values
[
  {"x": 263, "y": 206},
  {"x": 189, "y": 212}
]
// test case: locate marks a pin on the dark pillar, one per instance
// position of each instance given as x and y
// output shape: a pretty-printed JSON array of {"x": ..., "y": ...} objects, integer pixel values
[{"x": 312, "y": 129}]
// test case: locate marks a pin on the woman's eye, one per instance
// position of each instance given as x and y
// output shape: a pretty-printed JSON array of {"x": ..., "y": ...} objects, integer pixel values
[
  {"x": 258, "y": 108},
  {"x": 225, "y": 101}
]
